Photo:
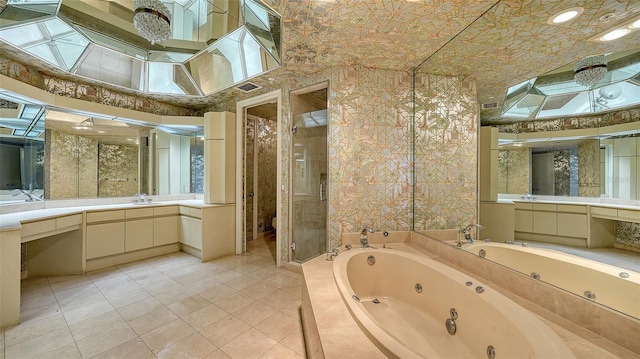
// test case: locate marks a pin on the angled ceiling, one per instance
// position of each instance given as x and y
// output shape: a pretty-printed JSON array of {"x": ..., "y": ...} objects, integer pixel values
[{"x": 499, "y": 43}]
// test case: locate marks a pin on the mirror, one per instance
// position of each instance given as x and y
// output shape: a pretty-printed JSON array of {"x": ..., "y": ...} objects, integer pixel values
[
  {"x": 53, "y": 153},
  {"x": 498, "y": 51}
]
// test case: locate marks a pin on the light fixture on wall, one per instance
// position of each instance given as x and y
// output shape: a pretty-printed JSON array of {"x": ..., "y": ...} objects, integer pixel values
[
  {"x": 152, "y": 19},
  {"x": 589, "y": 71}
]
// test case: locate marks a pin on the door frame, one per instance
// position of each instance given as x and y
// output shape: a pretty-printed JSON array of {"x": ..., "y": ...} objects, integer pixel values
[{"x": 241, "y": 107}]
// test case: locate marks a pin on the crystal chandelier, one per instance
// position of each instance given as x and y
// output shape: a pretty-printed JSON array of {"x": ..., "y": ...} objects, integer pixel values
[
  {"x": 152, "y": 19},
  {"x": 590, "y": 70}
]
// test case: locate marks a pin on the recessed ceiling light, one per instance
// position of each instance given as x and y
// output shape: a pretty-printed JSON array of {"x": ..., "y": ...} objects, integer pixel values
[
  {"x": 635, "y": 25},
  {"x": 565, "y": 15},
  {"x": 615, "y": 34}
]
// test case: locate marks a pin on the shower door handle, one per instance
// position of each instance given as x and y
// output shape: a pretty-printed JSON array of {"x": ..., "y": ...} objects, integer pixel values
[{"x": 323, "y": 191}]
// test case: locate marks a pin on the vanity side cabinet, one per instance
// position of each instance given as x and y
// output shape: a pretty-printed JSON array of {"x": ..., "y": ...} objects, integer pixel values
[
  {"x": 488, "y": 164},
  {"x": 191, "y": 227},
  {"x": 524, "y": 217},
  {"x": 106, "y": 238},
  {"x": 166, "y": 223}
]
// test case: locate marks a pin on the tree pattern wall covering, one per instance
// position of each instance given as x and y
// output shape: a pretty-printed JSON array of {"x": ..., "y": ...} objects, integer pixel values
[{"x": 117, "y": 170}]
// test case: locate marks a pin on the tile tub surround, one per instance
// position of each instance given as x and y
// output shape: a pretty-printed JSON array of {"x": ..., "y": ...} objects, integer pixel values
[
  {"x": 169, "y": 306},
  {"x": 338, "y": 332},
  {"x": 601, "y": 322}
]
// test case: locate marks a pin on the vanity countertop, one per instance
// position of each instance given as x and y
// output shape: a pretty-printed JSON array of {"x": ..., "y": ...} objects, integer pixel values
[
  {"x": 594, "y": 202},
  {"x": 11, "y": 221}
]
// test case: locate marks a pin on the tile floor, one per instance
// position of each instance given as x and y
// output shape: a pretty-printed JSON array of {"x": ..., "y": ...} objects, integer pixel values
[
  {"x": 613, "y": 256},
  {"x": 170, "y": 306}
]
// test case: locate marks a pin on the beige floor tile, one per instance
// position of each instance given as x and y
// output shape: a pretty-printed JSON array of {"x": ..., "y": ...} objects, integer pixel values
[
  {"x": 152, "y": 320},
  {"x": 204, "y": 317},
  {"x": 97, "y": 324},
  {"x": 211, "y": 268},
  {"x": 193, "y": 346},
  {"x": 34, "y": 329},
  {"x": 250, "y": 344},
  {"x": 69, "y": 351},
  {"x": 220, "y": 292},
  {"x": 140, "y": 308},
  {"x": 175, "y": 294},
  {"x": 40, "y": 345},
  {"x": 292, "y": 309},
  {"x": 204, "y": 284},
  {"x": 254, "y": 313},
  {"x": 279, "y": 299},
  {"x": 88, "y": 311},
  {"x": 104, "y": 274},
  {"x": 188, "y": 278},
  {"x": 37, "y": 311},
  {"x": 161, "y": 285},
  {"x": 258, "y": 290},
  {"x": 279, "y": 351},
  {"x": 218, "y": 354},
  {"x": 64, "y": 283},
  {"x": 188, "y": 305},
  {"x": 225, "y": 330},
  {"x": 104, "y": 340},
  {"x": 279, "y": 280},
  {"x": 115, "y": 287},
  {"x": 234, "y": 302},
  {"x": 247, "y": 268},
  {"x": 277, "y": 326},
  {"x": 134, "y": 348},
  {"x": 294, "y": 341},
  {"x": 243, "y": 282},
  {"x": 123, "y": 299},
  {"x": 76, "y": 298},
  {"x": 167, "y": 335},
  {"x": 226, "y": 276}
]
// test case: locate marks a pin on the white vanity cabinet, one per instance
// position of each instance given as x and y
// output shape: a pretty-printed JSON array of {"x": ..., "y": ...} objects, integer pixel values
[
  {"x": 138, "y": 229},
  {"x": 105, "y": 233},
  {"x": 166, "y": 225},
  {"x": 551, "y": 222},
  {"x": 191, "y": 227}
]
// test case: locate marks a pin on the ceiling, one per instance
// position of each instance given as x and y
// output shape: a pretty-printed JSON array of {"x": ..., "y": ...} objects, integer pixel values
[{"x": 499, "y": 43}]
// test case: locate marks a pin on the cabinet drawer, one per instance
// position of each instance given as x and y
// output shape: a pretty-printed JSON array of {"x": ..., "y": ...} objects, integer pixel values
[
  {"x": 572, "y": 208},
  {"x": 627, "y": 214},
  {"x": 190, "y": 211},
  {"x": 544, "y": 207},
  {"x": 160, "y": 211},
  {"x": 104, "y": 216},
  {"x": 68, "y": 221},
  {"x": 138, "y": 213},
  {"x": 604, "y": 211},
  {"x": 524, "y": 205},
  {"x": 33, "y": 228},
  {"x": 105, "y": 239}
]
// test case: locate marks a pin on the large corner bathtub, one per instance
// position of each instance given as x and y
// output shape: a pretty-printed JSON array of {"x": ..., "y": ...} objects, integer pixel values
[
  {"x": 611, "y": 286},
  {"x": 403, "y": 300}
]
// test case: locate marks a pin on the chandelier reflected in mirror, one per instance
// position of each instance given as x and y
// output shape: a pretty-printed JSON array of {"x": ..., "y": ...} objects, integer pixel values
[
  {"x": 152, "y": 19},
  {"x": 589, "y": 71}
]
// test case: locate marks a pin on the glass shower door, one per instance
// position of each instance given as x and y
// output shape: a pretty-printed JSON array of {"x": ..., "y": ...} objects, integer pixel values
[{"x": 309, "y": 227}]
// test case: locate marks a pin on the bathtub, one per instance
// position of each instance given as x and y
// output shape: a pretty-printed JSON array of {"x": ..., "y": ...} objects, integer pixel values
[
  {"x": 404, "y": 300},
  {"x": 596, "y": 281}
]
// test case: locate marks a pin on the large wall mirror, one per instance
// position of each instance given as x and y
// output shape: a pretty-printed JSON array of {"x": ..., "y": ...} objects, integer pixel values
[
  {"x": 604, "y": 165},
  {"x": 56, "y": 153}
]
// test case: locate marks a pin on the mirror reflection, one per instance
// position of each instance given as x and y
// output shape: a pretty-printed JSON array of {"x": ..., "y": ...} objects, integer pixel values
[{"x": 51, "y": 153}]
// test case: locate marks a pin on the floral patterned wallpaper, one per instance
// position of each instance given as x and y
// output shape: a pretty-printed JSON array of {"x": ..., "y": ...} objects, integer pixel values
[
  {"x": 267, "y": 172},
  {"x": 514, "y": 170},
  {"x": 589, "y": 168}
]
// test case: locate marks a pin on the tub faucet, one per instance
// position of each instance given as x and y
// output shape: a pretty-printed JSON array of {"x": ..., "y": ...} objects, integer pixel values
[
  {"x": 364, "y": 242},
  {"x": 467, "y": 232}
]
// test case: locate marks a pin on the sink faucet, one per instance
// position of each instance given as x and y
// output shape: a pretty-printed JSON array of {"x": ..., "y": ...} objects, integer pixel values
[
  {"x": 364, "y": 242},
  {"x": 142, "y": 197},
  {"x": 467, "y": 232}
]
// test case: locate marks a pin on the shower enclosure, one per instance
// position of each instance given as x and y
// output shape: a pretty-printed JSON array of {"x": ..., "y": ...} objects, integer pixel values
[{"x": 309, "y": 173}]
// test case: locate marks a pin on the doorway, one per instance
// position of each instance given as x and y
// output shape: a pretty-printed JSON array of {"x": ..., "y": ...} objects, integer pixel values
[
  {"x": 309, "y": 185},
  {"x": 258, "y": 163}
]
